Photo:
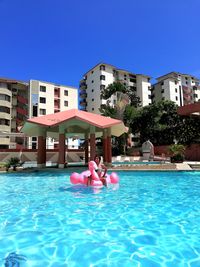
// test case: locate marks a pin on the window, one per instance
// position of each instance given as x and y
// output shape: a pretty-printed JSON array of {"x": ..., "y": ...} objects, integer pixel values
[
  {"x": 4, "y": 109},
  {"x": 149, "y": 96},
  {"x": 92, "y": 109},
  {"x": 34, "y": 145},
  {"x": 162, "y": 83},
  {"x": 162, "y": 91},
  {"x": 186, "y": 82},
  {"x": 102, "y": 87},
  {"x": 132, "y": 80},
  {"x": 92, "y": 81},
  {"x": 5, "y": 97},
  {"x": 92, "y": 99},
  {"x": 176, "y": 91},
  {"x": 163, "y": 98},
  {"x": 66, "y": 93},
  {"x": 66, "y": 103},
  {"x": 42, "y": 111},
  {"x": 4, "y": 122},
  {"x": 186, "y": 78},
  {"x": 133, "y": 88},
  {"x": 102, "y": 67},
  {"x": 34, "y": 138},
  {"x": 102, "y": 77},
  {"x": 42, "y": 88},
  {"x": 43, "y": 100},
  {"x": 195, "y": 95},
  {"x": 92, "y": 90},
  {"x": 92, "y": 72},
  {"x": 176, "y": 98},
  {"x": 175, "y": 82}
]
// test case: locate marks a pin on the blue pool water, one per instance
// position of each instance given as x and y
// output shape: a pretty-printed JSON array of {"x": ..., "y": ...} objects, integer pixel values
[{"x": 151, "y": 220}]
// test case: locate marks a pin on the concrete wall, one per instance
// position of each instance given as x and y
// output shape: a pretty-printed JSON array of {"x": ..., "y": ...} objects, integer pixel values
[
  {"x": 192, "y": 152},
  {"x": 30, "y": 155}
]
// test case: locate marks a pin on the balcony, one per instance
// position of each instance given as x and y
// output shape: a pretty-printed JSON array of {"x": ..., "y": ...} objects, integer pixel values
[
  {"x": 5, "y": 128},
  {"x": 83, "y": 94},
  {"x": 83, "y": 85},
  {"x": 4, "y": 140},
  {"x": 22, "y": 111},
  {"x": 4, "y": 115},
  {"x": 5, "y": 103},
  {"x": 187, "y": 90},
  {"x": 83, "y": 103},
  {"x": 22, "y": 99}
]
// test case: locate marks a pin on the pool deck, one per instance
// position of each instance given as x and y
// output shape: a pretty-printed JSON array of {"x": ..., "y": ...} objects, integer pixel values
[
  {"x": 185, "y": 166},
  {"x": 154, "y": 167}
]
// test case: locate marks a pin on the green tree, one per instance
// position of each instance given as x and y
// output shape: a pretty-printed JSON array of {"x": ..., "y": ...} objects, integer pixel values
[
  {"x": 123, "y": 109},
  {"x": 157, "y": 123},
  {"x": 118, "y": 86}
]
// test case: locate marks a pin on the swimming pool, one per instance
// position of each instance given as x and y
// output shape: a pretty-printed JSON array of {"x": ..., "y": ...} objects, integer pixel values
[{"x": 152, "y": 219}]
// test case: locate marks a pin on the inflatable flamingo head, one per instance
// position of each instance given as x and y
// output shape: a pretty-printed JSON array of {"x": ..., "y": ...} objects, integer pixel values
[{"x": 92, "y": 165}]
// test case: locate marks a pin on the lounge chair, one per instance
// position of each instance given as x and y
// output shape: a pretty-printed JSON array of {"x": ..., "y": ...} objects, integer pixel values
[
  {"x": 127, "y": 159},
  {"x": 118, "y": 158}
]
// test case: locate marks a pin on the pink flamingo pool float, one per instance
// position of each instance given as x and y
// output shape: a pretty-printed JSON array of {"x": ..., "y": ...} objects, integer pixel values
[{"x": 82, "y": 178}]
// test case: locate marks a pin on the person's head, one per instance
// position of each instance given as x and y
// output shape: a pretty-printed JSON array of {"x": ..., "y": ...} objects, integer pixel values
[{"x": 97, "y": 159}]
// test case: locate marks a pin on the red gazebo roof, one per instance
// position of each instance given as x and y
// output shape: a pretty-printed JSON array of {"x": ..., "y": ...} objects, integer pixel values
[{"x": 60, "y": 117}]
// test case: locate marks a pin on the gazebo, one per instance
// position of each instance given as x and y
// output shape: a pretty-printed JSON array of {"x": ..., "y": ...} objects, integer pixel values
[{"x": 71, "y": 123}]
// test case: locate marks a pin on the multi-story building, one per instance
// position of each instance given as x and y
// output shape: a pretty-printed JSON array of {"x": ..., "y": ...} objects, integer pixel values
[
  {"x": 100, "y": 76},
  {"x": 48, "y": 98},
  {"x": 181, "y": 88},
  {"x": 13, "y": 111},
  {"x": 21, "y": 100}
]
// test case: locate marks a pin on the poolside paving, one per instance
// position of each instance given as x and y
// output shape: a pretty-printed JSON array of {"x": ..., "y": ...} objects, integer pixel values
[{"x": 154, "y": 167}]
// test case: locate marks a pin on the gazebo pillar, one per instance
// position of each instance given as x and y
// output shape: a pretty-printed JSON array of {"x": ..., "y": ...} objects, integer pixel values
[
  {"x": 105, "y": 156},
  {"x": 92, "y": 143},
  {"x": 86, "y": 148},
  {"x": 61, "y": 151},
  {"x": 41, "y": 151},
  {"x": 109, "y": 148}
]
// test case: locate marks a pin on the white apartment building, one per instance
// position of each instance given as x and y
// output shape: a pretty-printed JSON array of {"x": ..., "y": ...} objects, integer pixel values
[
  {"x": 181, "y": 88},
  {"x": 100, "y": 76},
  {"x": 48, "y": 98}
]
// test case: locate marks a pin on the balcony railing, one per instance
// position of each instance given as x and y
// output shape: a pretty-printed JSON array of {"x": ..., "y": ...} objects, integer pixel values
[
  {"x": 187, "y": 90},
  {"x": 22, "y": 111},
  {"x": 22, "y": 99},
  {"x": 83, "y": 103},
  {"x": 83, "y": 85},
  {"x": 83, "y": 94}
]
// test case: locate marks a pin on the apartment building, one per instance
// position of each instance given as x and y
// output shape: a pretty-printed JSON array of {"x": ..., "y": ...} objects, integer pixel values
[
  {"x": 13, "y": 111},
  {"x": 48, "y": 98},
  {"x": 181, "y": 88},
  {"x": 22, "y": 100},
  {"x": 100, "y": 76}
]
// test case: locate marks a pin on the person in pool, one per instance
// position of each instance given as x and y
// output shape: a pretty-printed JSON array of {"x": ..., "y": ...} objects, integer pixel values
[{"x": 101, "y": 171}]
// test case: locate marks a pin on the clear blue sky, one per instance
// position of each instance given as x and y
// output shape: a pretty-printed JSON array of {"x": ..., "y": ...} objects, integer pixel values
[{"x": 59, "y": 40}]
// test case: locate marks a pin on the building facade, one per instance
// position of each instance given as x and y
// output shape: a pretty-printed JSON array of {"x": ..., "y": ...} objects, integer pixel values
[
  {"x": 22, "y": 100},
  {"x": 100, "y": 76},
  {"x": 14, "y": 96},
  {"x": 180, "y": 88},
  {"x": 48, "y": 98}
]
